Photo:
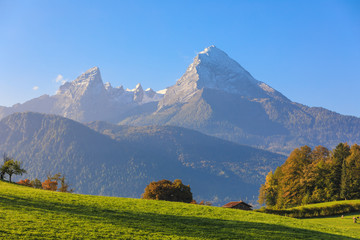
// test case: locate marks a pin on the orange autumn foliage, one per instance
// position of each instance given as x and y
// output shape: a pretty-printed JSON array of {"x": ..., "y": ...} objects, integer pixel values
[
  {"x": 49, "y": 185},
  {"x": 25, "y": 182}
]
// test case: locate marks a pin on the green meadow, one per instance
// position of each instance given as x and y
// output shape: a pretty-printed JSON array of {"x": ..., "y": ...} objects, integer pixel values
[{"x": 27, "y": 213}]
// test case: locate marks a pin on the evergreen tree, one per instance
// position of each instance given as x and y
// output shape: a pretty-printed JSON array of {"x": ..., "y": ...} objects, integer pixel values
[
  {"x": 350, "y": 184},
  {"x": 339, "y": 154},
  {"x": 270, "y": 190}
]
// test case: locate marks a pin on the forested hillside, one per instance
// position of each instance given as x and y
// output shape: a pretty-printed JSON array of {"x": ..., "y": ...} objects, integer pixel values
[{"x": 123, "y": 163}]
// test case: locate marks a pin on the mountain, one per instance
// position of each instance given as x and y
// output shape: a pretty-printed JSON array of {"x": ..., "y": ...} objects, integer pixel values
[
  {"x": 106, "y": 159},
  {"x": 87, "y": 98},
  {"x": 218, "y": 97},
  {"x": 215, "y": 96}
]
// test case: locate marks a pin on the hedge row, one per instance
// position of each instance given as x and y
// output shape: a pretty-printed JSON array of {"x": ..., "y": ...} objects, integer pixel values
[{"x": 308, "y": 212}]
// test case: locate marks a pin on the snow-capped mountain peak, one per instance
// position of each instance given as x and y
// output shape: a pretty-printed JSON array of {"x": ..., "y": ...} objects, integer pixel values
[
  {"x": 214, "y": 69},
  {"x": 88, "y": 83},
  {"x": 138, "y": 86},
  {"x": 90, "y": 76},
  {"x": 138, "y": 93},
  {"x": 213, "y": 52},
  {"x": 219, "y": 71},
  {"x": 88, "y": 91}
]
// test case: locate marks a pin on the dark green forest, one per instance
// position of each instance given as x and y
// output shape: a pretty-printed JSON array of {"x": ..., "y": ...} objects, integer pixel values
[{"x": 313, "y": 176}]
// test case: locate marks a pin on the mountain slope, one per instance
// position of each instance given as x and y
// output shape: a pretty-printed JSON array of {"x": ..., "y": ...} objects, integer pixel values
[
  {"x": 218, "y": 97},
  {"x": 121, "y": 161}
]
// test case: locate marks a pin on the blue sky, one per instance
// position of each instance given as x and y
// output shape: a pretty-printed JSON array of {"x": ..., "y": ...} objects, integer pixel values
[{"x": 307, "y": 50}]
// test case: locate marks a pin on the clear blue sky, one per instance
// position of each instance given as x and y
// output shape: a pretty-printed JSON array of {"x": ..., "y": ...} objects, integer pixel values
[{"x": 308, "y": 50}]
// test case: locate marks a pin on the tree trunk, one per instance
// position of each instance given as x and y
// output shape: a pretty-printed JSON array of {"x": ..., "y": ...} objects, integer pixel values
[{"x": 9, "y": 178}]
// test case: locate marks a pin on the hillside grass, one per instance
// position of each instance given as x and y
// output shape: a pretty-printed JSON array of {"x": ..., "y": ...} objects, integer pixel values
[
  {"x": 27, "y": 213},
  {"x": 317, "y": 210}
]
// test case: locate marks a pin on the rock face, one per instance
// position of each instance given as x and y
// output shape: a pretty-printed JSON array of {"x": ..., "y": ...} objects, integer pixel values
[
  {"x": 215, "y": 96},
  {"x": 87, "y": 98}
]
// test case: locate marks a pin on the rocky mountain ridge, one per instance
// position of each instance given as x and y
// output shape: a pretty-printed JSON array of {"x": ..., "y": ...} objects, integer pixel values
[
  {"x": 215, "y": 96},
  {"x": 87, "y": 98}
]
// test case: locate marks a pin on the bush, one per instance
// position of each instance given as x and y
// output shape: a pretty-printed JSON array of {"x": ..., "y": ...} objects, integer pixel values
[
  {"x": 49, "y": 185},
  {"x": 169, "y": 191},
  {"x": 309, "y": 212},
  {"x": 36, "y": 183},
  {"x": 25, "y": 182}
]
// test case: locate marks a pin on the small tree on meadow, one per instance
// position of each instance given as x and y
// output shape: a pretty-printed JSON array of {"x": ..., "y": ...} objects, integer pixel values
[
  {"x": 2, "y": 169},
  {"x": 170, "y": 191},
  {"x": 48, "y": 184},
  {"x": 36, "y": 183},
  {"x": 12, "y": 167},
  {"x": 64, "y": 186},
  {"x": 52, "y": 182}
]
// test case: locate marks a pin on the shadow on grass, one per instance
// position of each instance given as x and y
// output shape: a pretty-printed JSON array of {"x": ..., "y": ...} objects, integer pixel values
[{"x": 167, "y": 225}]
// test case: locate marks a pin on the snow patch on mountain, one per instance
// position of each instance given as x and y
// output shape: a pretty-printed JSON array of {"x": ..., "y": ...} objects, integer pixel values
[
  {"x": 162, "y": 91},
  {"x": 266, "y": 87}
]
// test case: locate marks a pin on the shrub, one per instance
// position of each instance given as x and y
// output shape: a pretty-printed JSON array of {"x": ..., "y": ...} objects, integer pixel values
[
  {"x": 36, "y": 183},
  {"x": 321, "y": 211},
  {"x": 25, "y": 182},
  {"x": 170, "y": 191},
  {"x": 49, "y": 185}
]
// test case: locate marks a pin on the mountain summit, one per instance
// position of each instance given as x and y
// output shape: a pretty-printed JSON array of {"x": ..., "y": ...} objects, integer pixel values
[
  {"x": 87, "y": 84},
  {"x": 214, "y": 69}
]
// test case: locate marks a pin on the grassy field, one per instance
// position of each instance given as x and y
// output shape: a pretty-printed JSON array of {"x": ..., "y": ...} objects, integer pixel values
[
  {"x": 26, "y": 213},
  {"x": 329, "y": 204}
]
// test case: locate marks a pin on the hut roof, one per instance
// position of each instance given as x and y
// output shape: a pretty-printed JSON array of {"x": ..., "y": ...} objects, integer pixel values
[{"x": 233, "y": 204}]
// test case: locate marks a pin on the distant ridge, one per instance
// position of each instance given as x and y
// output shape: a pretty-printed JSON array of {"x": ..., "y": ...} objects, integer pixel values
[{"x": 122, "y": 160}]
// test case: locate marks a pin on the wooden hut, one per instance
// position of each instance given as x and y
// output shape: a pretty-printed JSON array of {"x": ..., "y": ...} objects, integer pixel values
[{"x": 238, "y": 205}]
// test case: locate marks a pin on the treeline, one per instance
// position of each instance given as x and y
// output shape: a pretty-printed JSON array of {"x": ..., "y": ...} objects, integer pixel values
[
  {"x": 313, "y": 176},
  {"x": 52, "y": 183},
  {"x": 12, "y": 167}
]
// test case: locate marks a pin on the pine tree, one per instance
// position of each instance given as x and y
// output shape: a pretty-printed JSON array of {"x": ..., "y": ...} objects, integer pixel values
[
  {"x": 339, "y": 154},
  {"x": 350, "y": 184}
]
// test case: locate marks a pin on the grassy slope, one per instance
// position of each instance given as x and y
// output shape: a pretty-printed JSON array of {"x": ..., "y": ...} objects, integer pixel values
[
  {"x": 328, "y": 204},
  {"x": 27, "y": 213},
  {"x": 346, "y": 224}
]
